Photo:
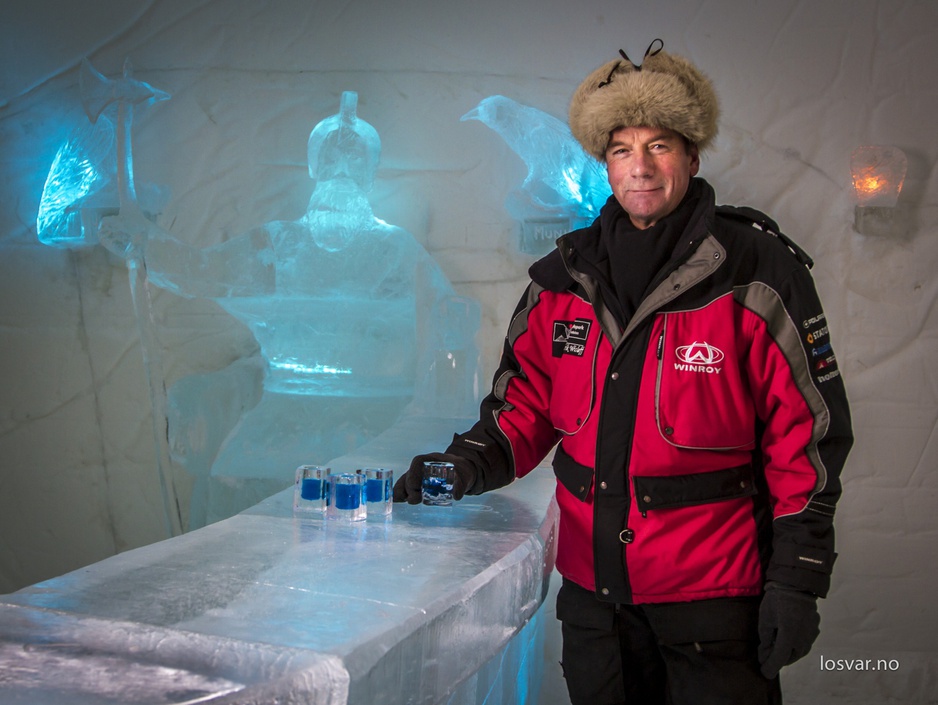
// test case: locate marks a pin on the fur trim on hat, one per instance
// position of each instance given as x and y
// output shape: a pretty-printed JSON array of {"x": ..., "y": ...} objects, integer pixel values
[{"x": 666, "y": 91}]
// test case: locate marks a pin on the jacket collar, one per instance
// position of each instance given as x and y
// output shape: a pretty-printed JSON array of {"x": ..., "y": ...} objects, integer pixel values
[{"x": 569, "y": 266}]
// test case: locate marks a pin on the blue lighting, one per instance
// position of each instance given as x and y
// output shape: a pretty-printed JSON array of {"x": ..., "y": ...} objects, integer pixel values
[
  {"x": 563, "y": 181},
  {"x": 79, "y": 177}
]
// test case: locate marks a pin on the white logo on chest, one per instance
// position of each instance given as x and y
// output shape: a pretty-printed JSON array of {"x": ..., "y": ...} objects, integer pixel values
[{"x": 698, "y": 357}]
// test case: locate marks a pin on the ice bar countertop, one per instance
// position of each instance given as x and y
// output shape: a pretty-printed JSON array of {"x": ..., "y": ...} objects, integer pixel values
[{"x": 264, "y": 607}]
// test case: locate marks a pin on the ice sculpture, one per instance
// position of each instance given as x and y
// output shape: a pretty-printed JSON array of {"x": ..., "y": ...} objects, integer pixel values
[
  {"x": 349, "y": 314},
  {"x": 84, "y": 182},
  {"x": 564, "y": 187},
  {"x": 77, "y": 182},
  {"x": 354, "y": 319},
  {"x": 343, "y": 317},
  {"x": 91, "y": 176}
]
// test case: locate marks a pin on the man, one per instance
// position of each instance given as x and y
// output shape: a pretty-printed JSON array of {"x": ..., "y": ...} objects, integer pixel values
[{"x": 677, "y": 354}]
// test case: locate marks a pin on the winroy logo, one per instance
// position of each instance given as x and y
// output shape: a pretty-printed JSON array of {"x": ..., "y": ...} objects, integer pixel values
[{"x": 698, "y": 357}]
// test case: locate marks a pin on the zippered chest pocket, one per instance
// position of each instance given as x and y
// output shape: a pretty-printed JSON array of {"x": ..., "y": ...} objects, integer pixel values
[
  {"x": 702, "y": 400},
  {"x": 577, "y": 346}
]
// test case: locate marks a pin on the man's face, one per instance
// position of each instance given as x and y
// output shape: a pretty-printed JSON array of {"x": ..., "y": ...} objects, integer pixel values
[{"x": 649, "y": 171}]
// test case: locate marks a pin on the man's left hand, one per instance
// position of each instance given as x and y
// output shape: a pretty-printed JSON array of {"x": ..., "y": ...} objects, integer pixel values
[
  {"x": 408, "y": 487},
  {"x": 788, "y": 625}
]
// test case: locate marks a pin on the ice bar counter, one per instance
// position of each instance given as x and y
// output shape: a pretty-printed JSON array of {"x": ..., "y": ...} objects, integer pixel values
[{"x": 431, "y": 605}]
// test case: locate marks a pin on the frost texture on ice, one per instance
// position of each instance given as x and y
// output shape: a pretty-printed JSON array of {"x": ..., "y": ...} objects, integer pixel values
[{"x": 564, "y": 188}]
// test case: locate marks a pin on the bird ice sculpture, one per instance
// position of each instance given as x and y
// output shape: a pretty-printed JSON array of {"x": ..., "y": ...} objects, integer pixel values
[{"x": 564, "y": 185}]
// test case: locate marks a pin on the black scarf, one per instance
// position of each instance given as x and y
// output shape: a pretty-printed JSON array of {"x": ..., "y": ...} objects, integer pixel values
[{"x": 630, "y": 261}]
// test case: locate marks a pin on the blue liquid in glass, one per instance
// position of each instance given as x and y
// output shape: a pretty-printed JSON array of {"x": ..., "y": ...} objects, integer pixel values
[
  {"x": 311, "y": 488},
  {"x": 347, "y": 496},
  {"x": 436, "y": 490},
  {"x": 376, "y": 490}
]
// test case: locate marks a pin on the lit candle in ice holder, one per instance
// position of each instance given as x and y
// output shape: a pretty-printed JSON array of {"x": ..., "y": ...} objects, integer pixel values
[
  {"x": 311, "y": 489},
  {"x": 878, "y": 175},
  {"x": 345, "y": 497}
]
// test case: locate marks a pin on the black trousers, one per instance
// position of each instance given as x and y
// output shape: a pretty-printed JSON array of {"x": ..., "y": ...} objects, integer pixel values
[{"x": 687, "y": 653}]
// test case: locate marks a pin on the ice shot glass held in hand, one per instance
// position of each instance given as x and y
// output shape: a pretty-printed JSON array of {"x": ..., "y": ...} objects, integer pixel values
[
  {"x": 311, "y": 489},
  {"x": 378, "y": 491},
  {"x": 438, "y": 481}
]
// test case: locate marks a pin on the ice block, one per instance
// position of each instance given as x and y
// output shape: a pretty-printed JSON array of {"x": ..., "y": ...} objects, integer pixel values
[{"x": 429, "y": 606}]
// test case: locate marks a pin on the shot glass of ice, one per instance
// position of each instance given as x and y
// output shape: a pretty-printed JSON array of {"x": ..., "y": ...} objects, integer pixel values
[
  {"x": 345, "y": 497},
  {"x": 311, "y": 489},
  {"x": 438, "y": 480},
  {"x": 378, "y": 491}
]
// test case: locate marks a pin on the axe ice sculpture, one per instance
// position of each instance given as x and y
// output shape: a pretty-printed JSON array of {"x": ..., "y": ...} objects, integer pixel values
[{"x": 79, "y": 190}]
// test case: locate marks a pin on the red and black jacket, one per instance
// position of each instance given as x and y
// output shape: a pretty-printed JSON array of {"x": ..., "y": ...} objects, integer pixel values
[{"x": 700, "y": 448}]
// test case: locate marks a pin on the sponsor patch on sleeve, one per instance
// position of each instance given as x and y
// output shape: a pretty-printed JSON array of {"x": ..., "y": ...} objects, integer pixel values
[{"x": 823, "y": 361}]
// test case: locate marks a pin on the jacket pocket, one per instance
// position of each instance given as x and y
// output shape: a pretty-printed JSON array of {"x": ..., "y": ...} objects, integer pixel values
[
  {"x": 578, "y": 606},
  {"x": 573, "y": 393},
  {"x": 701, "y": 397},
  {"x": 672, "y": 491},
  {"x": 576, "y": 478}
]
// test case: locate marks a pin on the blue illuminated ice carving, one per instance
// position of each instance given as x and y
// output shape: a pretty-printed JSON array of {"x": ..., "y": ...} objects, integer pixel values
[
  {"x": 91, "y": 177},
  {"x": 335, "y": 298},
  {"x": 84, "y": 182},
  {"x": 356, "y": 323},
  {"x": 344, "y": 314},
  {"x": 82, "y": 169},
  {"x": 564, "y": 187}
]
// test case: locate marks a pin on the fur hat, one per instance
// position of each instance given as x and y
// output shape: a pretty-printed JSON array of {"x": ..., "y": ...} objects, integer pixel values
[{"x": 665, "y": 91}]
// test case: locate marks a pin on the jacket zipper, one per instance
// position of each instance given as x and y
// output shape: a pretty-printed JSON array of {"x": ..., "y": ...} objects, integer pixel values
[
  {"x": 659, "y": 352},
  {"x": 644, "y": 310}
]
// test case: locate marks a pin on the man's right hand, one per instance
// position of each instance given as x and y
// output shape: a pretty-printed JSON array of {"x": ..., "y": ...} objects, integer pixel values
[{"x": 409, "y": 486}]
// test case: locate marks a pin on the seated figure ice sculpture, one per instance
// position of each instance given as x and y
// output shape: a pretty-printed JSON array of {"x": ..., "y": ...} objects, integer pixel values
[
  {"x": 354, "y": 320},
  {"x": 342, "y": 318}
]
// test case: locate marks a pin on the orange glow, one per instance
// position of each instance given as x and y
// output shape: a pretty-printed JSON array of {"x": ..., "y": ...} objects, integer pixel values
[
  {"x": 878, "y": 174},
  {"x": 870, "y": 184}
]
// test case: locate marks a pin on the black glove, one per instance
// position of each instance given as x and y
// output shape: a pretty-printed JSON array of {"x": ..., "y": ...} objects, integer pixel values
[
  {"x": 408, "y": 486},
  {"x": 788, "y": 626}
]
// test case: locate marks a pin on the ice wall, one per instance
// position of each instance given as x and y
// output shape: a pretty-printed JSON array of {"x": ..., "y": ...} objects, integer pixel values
[{"x": 802, "y": 85}]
